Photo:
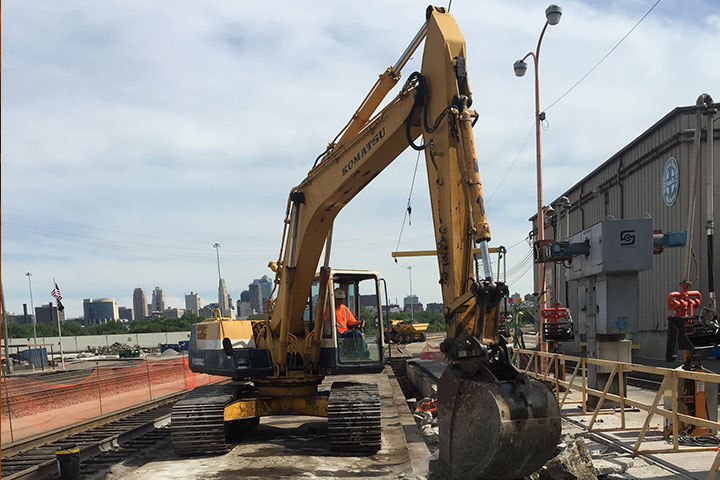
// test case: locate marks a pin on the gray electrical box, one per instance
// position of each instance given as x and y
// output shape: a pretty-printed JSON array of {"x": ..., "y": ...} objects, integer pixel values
[
  {"x": 615, "y": 246},
  {"x": 607, "y": 279}
]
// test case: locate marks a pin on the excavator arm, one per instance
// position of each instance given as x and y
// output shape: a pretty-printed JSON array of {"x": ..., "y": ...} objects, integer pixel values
[
  {"x": 510, "y": 424},
  {"x": 435, "y": 104}
]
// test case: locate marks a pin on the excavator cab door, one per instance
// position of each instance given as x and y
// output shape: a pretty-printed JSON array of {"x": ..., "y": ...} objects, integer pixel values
[{"x": 360, "y": 349}]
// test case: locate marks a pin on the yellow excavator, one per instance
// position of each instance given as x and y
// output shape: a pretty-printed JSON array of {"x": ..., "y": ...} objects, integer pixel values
[{"x": 494, "y": 422}]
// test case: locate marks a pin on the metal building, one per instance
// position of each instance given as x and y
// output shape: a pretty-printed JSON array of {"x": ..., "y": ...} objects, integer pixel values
[{"x": 649, "y": 176}]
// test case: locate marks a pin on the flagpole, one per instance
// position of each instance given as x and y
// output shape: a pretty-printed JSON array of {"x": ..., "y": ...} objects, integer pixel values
[
  {"x": 62, "y": 355},
  {"x": 34, "y": 314}
]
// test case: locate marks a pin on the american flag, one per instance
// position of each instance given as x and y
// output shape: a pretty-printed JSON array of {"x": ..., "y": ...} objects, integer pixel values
[{"x": 58, "y": 296}]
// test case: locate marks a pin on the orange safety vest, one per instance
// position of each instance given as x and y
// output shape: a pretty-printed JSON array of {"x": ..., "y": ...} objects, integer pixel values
[{"x": 344, "y": 319}]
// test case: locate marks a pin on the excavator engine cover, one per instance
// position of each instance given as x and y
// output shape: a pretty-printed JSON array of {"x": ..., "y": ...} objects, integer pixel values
[{"x": 494, "y": 429}]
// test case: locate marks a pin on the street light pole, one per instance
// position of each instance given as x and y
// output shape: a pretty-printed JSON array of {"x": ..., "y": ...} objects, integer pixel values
[
  {"x": 32, "y": 306},
  {"x": 216, "y": 246},
  {"x": 412, "y": 301},
  {"x": 552, "y": 14}
]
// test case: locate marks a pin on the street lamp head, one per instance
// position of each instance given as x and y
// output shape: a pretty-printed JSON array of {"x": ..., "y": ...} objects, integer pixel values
[
  {"x": 563, "y": 202},
  {"x": 550, "y": 211},
  {"x": 553, "y": 14},
  {"x": 520, "y": 68}
]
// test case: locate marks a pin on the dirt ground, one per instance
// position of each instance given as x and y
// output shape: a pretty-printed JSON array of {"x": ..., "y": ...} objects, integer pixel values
[{"x": 293, "y": 447}]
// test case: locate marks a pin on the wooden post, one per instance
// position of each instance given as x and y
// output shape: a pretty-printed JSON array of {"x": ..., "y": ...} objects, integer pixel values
[
  {"x": 673, "y": 392},
  {"x": 97, "y": 374},
  {"x": 557, "y": 376},
  {"x": 7, "y": 401},
  {"x": 572, "y": 379},
  {"x": 584, "y": 385},
  {"x": 651, "y": 412},
  {"x": 621, "y": 390},
  {"x": 714, "y": 468},
  {"x": 602, "y": 398},
  {"x": 147, "y": 369},
  {"x": 547, "y": 367}
]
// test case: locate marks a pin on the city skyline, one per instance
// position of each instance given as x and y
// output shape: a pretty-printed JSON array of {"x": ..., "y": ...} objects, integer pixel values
[{"x": 170, "y": 301}]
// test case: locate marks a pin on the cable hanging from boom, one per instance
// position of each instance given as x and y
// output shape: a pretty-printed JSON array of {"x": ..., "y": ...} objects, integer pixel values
[{"x": 408, "y": 210}]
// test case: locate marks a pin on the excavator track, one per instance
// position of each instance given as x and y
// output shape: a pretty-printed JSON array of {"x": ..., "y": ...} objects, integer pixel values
[
  {"x": 354, "y": 418},
  {"x": 197, "y": 422}
]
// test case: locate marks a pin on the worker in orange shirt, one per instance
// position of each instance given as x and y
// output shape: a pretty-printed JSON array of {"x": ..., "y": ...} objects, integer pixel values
[{"x": 345, "y": 322}]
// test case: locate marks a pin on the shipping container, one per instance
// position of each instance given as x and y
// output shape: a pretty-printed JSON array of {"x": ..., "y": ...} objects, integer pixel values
[{"x": 37, "y": 356}]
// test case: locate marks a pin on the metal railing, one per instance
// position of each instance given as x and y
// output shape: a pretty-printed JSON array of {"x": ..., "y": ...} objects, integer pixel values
[{"x": 553, "y": 373}]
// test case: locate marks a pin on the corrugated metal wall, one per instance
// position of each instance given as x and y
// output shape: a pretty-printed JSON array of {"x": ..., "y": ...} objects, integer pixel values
[{"x": 629, "y": 185}]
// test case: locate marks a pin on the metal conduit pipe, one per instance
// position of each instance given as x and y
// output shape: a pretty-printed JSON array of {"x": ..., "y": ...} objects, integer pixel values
[
  {"x": 694, "y": 174},
  {"x": 706, "y": 102}
]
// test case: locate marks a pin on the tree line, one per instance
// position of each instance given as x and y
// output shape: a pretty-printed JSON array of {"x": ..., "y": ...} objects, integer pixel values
[{"x": 151, "y": 325}]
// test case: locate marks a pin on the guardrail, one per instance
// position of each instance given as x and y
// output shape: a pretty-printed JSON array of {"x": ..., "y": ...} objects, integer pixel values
[{"x": 550, "y": 368}]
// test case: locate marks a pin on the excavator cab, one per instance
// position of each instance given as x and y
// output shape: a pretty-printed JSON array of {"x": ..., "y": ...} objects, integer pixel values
[{"x": 361, "y": 351}]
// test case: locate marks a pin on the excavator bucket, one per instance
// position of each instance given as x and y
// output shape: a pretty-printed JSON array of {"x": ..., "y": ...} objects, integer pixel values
[{"x": 494, "y": 429}]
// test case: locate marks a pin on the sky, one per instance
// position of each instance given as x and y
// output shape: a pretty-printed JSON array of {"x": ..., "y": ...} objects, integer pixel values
[{"x": 137, "y": 134}]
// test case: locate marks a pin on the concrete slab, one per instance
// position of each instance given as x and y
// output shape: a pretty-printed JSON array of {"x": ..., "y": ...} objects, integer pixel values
[
  {"x": 296, "y": 447},
  {"x": 433, "y": 368}
]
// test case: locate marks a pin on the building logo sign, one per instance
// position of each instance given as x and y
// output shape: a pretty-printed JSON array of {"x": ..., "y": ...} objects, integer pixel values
[
  {"x": 627, "y": 238},
  {"x": 671, "y": 181}
]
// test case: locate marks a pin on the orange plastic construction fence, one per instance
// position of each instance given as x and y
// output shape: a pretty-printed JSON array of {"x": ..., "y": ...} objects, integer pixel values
[
  {"x": 431, "y": 352},
  {"x": 31, "y": 406}
]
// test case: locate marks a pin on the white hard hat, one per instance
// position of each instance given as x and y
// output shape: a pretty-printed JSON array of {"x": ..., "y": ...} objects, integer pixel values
[{"x": 339, "y": 294}]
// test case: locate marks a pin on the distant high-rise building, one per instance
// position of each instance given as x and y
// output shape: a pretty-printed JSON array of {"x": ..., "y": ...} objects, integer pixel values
[
  {"x": 125, "y": 313},
  {"x": 265, "y": 290},
  {"x": 266, "y": 285},
  {"x": 434, "y": 307},
  {"x": 158, "y": 300},
  {"x": 243, "y": 309},
  {"x": 192, "y": 303},
  {"x": 98, "y": 310},
  {"x": 368, "y": 301},
  {"x": 256, "y": 299},
  {"x": 412, "y": 302},
  {"x": 208, "y": 311},
  {"x": 173, "y": 313},
  {"x": 245, "y": 296},
  {"x": 25, "y": 318},
  {"x": 223, "y": 299},
  {"x": 48, "y": 314},
  {"x": 140, "y": 305}
]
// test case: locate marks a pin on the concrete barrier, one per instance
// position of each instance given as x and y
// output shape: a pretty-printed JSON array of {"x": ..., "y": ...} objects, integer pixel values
[{"x": 76, "y": 344}]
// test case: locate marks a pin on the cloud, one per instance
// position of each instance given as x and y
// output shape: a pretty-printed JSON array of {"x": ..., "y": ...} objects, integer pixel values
[{"x": 136, "y": 134}]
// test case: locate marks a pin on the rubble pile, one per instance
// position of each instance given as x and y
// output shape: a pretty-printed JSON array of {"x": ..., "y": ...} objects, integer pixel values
[
  {"x": 426, "y": 416},
  {"x": 113, "y": 349},
  {"x": 573, "y": 462}
]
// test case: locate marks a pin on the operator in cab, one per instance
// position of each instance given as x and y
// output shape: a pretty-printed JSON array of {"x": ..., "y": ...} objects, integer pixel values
[{"x": 345, "y": 322}]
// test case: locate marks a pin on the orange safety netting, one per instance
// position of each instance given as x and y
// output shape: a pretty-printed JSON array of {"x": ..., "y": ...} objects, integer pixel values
[
  {"x": 32, "y": 406},
  {"x": 430, "y": 352}
]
